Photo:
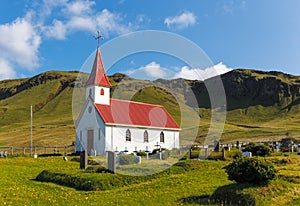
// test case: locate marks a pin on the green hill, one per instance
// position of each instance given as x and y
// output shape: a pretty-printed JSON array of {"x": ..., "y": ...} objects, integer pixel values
[{"x": 260, "y": 105}]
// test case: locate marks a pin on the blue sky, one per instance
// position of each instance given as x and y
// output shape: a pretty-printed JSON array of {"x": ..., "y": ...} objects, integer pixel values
[{"x": 37, "y": 36}]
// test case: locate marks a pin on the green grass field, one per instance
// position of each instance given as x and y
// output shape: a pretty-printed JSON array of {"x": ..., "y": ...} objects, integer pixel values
[{"x": 193, "y": 187}]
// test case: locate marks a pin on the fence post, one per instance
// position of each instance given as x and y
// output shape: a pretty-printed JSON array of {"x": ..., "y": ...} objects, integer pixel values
[
  {"x": 12, "y": 150},
  {"x": 24, "y": 150}
]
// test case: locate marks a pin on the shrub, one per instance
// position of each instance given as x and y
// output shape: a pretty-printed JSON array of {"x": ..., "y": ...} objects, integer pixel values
[
  {"x": 127, "y": 159},
  {"x": 68, "y": 180},
  {"x": 215, "y": 156},
  {"x": 155, "y": 154},
  {"x": 97, "y": 169},
  {"x": 141, "y": 153},
  {"x": 233, "y": 154},
  {"x": 250, "y": 170},
  {"x": 89, "y": 183},
  {"x": 258, "y": 149}
]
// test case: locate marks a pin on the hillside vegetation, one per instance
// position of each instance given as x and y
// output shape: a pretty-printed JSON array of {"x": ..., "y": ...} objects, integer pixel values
[{"x": 260, "y": 105}]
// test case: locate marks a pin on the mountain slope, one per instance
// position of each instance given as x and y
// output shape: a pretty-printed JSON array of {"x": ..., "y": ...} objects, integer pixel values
[{"x": 260, "y": 104}]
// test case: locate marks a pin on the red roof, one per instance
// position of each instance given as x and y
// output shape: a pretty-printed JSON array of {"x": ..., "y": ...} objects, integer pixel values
[
  {"x": 98, "y": 75},
  {"x": 123, "y": 112}
]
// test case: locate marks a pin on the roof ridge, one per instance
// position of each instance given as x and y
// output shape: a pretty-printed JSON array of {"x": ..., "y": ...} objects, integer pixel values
[{"x": 137, "y": 102}]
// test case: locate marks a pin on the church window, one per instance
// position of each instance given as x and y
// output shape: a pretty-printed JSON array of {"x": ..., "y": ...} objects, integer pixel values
[
  {"x": 90, "y": 92},
  {"x": 128, "y": 135},
  {"x": 80, "y": 136},
  {"x": 102, "y": 91},
  {"x": 162, "y": 137},
  {"x": 146, "y": 139}
]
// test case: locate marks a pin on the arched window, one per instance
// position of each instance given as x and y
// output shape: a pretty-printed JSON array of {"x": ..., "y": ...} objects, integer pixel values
[
  {"x": 128, "y": 135},
  {"x": 102, "y": 91},
  {"x": 146, "y": 139},
  {"x": 90, "y": 92},
  {"x": 162, "y": 137}
]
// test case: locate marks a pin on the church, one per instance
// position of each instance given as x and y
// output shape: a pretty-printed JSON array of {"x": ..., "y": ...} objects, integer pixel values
[{"x": 107, "y": 124}]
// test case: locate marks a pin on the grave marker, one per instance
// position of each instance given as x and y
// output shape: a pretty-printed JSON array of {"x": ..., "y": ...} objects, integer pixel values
[
  {"x": 83, "y": 159},
  {"x": 111, "y": 161}
]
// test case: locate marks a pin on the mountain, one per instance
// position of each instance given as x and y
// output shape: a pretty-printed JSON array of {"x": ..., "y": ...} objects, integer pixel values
[{"x": 260, "y": 105}]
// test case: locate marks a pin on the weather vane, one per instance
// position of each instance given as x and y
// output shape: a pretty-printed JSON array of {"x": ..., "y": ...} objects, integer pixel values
[{"x": 98, "y": 37}]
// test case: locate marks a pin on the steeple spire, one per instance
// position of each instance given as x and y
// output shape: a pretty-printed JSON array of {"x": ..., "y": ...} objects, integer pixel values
[{"x": 98, "y": 74}]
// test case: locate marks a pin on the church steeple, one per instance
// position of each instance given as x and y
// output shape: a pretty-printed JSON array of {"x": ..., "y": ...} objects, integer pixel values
[
  {"x": 98, "y": 85},
  {"x": 98, "y": 74}
]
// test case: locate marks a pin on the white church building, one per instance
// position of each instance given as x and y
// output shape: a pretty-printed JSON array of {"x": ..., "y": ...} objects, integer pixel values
[{"x": 107, "y": 124}]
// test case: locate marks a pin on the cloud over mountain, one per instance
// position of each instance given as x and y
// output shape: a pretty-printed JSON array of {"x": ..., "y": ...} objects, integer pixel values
[{"x": 202, "y": 74}]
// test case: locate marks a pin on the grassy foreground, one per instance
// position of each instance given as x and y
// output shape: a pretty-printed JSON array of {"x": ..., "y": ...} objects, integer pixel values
[{"x": 193, "y": 187}]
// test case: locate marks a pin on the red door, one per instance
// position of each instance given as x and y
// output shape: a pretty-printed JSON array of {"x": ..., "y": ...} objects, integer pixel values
[{"x": 90, "y": 142}]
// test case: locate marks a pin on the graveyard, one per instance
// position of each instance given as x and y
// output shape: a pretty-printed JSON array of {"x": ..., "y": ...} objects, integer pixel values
[{"x": 188, "y": 182}]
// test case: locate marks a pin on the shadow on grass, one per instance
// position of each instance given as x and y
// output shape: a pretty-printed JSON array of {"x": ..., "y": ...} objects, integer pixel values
[{"x": 231, "y": 194}]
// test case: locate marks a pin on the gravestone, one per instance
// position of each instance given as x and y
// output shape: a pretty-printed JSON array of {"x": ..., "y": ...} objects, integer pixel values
[
  {"x": 111, "y": 161},
  {"x": 139, "y": 159},
  {"x": 216, "y": 146},
  {"x": 277, "y": 147},
  {"x": 205, "y": 151},
  {"x": 247, "y": 154},
  {"x": 83, "y": 159},
  {"x": 223, "y": 153},
  {"x": 238, "y": 144}
]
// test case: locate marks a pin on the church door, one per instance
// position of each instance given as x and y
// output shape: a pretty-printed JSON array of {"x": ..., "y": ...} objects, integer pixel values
[{"x": 90, "y": 142}]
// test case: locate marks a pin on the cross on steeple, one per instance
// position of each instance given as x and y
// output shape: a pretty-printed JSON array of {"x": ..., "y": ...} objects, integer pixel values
[{"x": 98, "y": 37}]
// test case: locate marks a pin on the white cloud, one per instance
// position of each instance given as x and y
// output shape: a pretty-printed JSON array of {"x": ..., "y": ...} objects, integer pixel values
[
  {"x": 21, "y": 39},
  {"x": 85, "y": 20},
  {"x": 181, "y": 21},
  {"x": 150, "y": 71},
  {"x": 154, "y": 70},
  {"x": 109, "y": 22},
  {"x": 20, "y": 43},
  {"x": 200, "y": 74},
  {"x": 79, "y": 7},
  {"x": 54, "y": 3},
  {"x": 80, "y": 23},
  {"x": 6, "y": 70},
  {"x": 229, "y": 7},
  {"x": 57, "y": 30},
  {"x": 45, "y": 9}
]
